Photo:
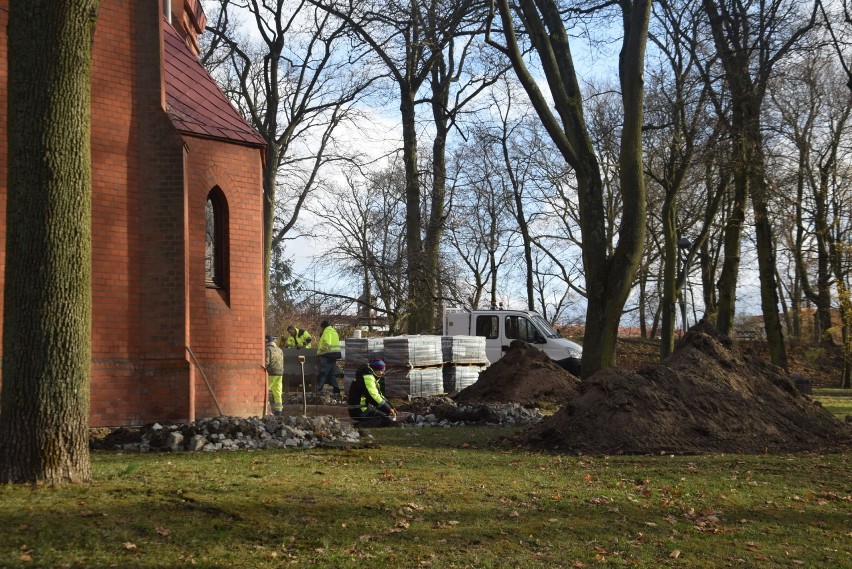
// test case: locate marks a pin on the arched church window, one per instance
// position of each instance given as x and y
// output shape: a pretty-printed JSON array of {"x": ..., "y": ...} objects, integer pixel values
[{"x": 216, "y": 249}]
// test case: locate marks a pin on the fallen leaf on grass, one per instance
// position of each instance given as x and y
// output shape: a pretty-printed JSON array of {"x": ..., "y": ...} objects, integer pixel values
[
  {"x": 163, "y": 531},
  {"x": 25, "y": 557},
  {"x": 675, "y": 554},
  {"x": 129, "y": 545}
]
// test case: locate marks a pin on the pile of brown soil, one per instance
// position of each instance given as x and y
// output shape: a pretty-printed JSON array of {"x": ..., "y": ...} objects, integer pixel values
[
  {"x": 705, "y": 397},
  {"x": 523, "y": 375}
]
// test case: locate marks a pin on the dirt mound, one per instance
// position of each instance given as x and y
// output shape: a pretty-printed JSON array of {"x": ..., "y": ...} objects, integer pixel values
[
  {"x": 705, "y": 397},
  {"x": 523, "y": 375}
]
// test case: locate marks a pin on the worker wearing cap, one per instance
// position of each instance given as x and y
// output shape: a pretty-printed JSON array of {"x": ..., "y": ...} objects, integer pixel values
[
  {"x": 328, "y": 351},
  {"x": 297, "y": 338},
  {"x": 367, "y": 403}
]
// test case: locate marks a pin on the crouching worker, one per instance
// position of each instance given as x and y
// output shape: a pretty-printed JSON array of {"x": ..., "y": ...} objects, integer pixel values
[{"x": 367, "y": 403}]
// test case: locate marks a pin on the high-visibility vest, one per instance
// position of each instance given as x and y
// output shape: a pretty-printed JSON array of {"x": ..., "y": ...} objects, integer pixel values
[{"x": 329, "y": 342}]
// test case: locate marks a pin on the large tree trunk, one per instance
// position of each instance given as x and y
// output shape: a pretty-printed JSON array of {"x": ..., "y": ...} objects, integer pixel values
[
  {"x": 420, "y": 297},
  {"x": 44, "y": 409},
  {"x": 435, "y": 223}
]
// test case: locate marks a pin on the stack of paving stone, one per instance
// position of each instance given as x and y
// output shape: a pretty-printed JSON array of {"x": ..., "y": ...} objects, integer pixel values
[
  {"x": 414, "y": 366},
  {"x": 359, "y": 352},
  {"x": 464, "y": 358}
]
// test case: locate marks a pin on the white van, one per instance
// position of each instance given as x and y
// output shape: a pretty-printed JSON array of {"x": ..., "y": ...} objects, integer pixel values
[{"x": 501, "y": 327}]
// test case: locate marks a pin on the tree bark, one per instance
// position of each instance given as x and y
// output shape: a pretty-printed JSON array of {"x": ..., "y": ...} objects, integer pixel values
[
  {"x": 44, "y": 408},
  {"x": 420, "y": 293}
]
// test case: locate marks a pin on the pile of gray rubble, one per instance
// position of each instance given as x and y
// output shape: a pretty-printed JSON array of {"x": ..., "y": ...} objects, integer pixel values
[{"x": 270, "y": 432}]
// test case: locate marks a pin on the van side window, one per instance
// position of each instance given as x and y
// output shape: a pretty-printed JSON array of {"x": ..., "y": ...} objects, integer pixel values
[
  {"x": 487, "y": 326},
  {"x": 526, "y": 330},
  {"x": 520, "y": 328},
  {"x": 511, "y": 327}
]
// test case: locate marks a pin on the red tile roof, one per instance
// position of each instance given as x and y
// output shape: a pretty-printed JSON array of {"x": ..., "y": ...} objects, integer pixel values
[{"x": 194, "y": 102}]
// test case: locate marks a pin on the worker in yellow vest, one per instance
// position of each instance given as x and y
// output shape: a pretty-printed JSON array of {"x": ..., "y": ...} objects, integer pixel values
[
  {"x": 297, "y": 338},
  {"x": 328, "y": 351}
]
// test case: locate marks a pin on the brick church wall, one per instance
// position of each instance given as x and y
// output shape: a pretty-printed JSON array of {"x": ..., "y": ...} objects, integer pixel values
[{"x": 150, "y": 302}]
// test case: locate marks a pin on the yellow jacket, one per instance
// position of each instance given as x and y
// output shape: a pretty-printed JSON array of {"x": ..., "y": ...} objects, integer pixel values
[
  {"x": 301, "y": 339},
  {"x": 329, "y": 342}
]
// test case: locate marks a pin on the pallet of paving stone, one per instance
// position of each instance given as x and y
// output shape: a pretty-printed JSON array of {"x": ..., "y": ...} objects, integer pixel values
[
  {"x": 457, "y": 377},
  {"x": 464, "y": 349},
  {"x": 361, "y": 351},
  {"x": 413, "y": 351},
  {"x": 414, "y": 382}
]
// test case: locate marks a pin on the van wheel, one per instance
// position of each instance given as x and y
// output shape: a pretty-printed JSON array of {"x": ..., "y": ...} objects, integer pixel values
[{"x": 571, "y": 365}]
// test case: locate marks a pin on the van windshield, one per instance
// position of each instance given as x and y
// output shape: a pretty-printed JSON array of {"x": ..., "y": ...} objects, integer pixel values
[{"x": 543, "y": 326}]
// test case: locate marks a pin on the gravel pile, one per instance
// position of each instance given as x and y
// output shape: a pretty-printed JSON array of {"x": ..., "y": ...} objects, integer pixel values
[
  {"x": 231, "y": 433},
  {"x": 239, "y": 433},
  {"x": 444, "y": 412}
]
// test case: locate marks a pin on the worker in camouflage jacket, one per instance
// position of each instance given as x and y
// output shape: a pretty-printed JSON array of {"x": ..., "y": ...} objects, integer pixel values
[{"x": 274, "y": 373}]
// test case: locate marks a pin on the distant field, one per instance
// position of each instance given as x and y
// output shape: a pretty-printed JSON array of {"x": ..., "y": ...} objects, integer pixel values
[{"x": 838, "y": 401}]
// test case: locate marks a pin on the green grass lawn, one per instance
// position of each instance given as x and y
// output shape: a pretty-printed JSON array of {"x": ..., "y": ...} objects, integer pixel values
[
  {"x": 838, "y": 401},
  {"x": 435, "y": 498}
]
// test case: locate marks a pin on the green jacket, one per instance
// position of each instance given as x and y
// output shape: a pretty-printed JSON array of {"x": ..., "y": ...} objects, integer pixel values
[{"x": 329, "y": 342}]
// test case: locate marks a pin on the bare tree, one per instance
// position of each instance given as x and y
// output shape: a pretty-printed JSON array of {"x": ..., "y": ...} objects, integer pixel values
[
  {"x": 409, "y": 39},
  {"x": 293, "y": 73},
  {"x": 678, "y": 126},
  {"x": 837, "y": 19},
  {"x": 463, "y": 70},
  {"x": 812, "y": 111},
  {"x": 365, "y": 218},
  {"x": 609, "y": 276},
  {"x": 480, "y": 227},
  {"x": 750, "y": 39}
]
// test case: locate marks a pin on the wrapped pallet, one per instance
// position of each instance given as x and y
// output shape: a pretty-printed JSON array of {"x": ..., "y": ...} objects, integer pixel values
[
  {"x": 457, "y": 377},
  {"x": 413, "y": 351},
  {"x": 403, "y": 382},
  {"x": 465, "y": 358},
  {"x": 414, "y": 366},
  {"x": 360, "y": 351},
  {"x": 464, "y": 350}
]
